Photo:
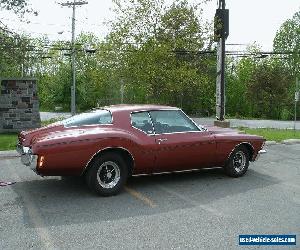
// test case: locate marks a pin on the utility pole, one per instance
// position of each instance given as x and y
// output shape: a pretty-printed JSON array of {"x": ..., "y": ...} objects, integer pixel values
[
  {"x": 221, "y": 33},
  {"x": 73, "y": 61},
  {"x": 296, "y": 100},
  {"x": 222, "y": 89}
]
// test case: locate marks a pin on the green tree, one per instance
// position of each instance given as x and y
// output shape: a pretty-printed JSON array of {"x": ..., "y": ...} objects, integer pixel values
[
  {"x": 287, "y": 39},
  {"x": 158, "y": 53},
  {"x": 238, "y": 75},
  {"x": 19, "y": 7},
  {"x": 14, "y": 56},
  {"x": 268, "y": 90}
]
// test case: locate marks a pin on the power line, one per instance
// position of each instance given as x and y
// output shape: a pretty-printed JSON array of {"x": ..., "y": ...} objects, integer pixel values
[
  {"x": 38, "y": 23},
  {"x": 64, "y": 46}
]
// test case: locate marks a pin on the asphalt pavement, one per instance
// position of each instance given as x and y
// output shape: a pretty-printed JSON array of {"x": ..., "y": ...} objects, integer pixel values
[{"x": 199, "y": 210}]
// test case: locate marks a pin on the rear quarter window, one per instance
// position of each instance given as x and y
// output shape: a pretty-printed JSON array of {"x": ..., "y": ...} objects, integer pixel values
[{"x": 90, "y": 118}]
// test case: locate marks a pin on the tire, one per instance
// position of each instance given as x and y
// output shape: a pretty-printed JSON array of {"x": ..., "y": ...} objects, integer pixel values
[
  {"x": 238, "y": 162},
  {"x": 107, "y": 174}
]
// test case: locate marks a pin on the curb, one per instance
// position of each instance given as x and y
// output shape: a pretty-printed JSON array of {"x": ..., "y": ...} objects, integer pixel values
[
  {"x": 291, "y": 141},
  {"x": 9, "y": 154},
  {"x": 285, "y": 142},
  {"x": 268, "y": 143}
]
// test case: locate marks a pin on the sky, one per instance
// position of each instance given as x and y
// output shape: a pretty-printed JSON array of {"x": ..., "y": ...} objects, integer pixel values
[{"x": 250, "y": 20}]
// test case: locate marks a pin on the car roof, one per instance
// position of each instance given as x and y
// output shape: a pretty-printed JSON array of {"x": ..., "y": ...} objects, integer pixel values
[{"x": 137, "y": 107}]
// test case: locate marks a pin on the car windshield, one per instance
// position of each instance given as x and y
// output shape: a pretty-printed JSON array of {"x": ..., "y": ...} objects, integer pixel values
[{"x": 91, "y": 118}]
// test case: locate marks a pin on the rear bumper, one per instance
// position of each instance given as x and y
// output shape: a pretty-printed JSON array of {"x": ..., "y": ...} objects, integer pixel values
[
  {"x": 27, "y": 157},
  {"x": 259, "y": 153},
  {"x": 19, "y": 149},
  {"x": 30, "y": 161},
  {"x": 262, "y": 151}
]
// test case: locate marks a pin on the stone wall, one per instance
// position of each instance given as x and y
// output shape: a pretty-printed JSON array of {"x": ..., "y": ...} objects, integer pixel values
[{"x": 19, "y": 105}]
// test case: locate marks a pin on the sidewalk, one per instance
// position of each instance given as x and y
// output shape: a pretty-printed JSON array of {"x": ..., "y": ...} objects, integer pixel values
[{"x": 234, "y": 123}]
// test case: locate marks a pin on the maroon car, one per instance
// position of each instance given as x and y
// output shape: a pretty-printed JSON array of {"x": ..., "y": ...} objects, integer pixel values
[{"x": 109, "y": 144}]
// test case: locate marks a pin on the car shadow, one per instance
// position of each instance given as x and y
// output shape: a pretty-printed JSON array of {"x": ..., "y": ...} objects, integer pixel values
[{"x": 68, "y": 201}]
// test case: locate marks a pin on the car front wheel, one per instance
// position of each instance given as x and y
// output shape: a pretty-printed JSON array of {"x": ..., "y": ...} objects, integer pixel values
[
  {"x": 107, "y": 175},
  {"x": 238, "y": 162}
]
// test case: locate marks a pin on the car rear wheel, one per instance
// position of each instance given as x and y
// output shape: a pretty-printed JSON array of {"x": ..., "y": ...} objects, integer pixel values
[
  {"x": 238, "y": 162},
  {"x": 107, "y": 174}
]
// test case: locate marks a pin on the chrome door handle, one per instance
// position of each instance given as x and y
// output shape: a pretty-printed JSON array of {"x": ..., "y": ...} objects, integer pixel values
[{"x": 161, "y": 140}]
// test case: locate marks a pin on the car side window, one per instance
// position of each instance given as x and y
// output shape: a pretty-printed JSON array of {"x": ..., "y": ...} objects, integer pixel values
[
  {"x": 142, "y": 121},
  {"x": 171, "y": 121}
]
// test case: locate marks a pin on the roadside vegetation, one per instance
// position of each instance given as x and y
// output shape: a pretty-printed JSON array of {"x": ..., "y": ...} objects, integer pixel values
[
  {"x": 270, "y": 134},
  {"x": 157, "y": 53},
  {"x": 8, "y": 141}
]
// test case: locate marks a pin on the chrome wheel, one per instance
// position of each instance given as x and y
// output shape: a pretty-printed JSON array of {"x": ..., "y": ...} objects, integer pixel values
[
  {"x": 239, "y": 161},
  {"x": 108, "y": 174}
]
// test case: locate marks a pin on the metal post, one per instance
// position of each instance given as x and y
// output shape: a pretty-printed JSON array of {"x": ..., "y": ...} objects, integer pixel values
[
  {"x": 220, "y": 82},
  {"x": 295, "y": 115},
  {"x": 22, "y": 70},
  {"x": 73, "y": 59},
  {"x": 122, "y": 91},
  {"x": 222, "y": 89},
  {"x": 296, "y": 100},
  {"x": 73, "y": 87}
]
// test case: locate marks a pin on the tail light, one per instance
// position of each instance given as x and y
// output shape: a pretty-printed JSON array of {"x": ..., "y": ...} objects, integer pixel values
[{"x": 41, "y": 161}]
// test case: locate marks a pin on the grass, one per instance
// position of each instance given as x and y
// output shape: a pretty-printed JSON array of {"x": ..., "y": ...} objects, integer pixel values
[
  {"x": 273, "y": 134},
  {"x": 8, "y": 141}
]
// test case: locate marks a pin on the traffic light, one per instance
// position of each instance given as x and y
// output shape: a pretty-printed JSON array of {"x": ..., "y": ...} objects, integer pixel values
[{"x": 221, "y": 24}]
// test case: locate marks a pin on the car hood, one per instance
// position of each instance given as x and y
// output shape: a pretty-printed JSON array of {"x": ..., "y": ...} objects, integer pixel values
[
  {"x": 229, "y": 133},
  {"x": 219, "y": 130}
]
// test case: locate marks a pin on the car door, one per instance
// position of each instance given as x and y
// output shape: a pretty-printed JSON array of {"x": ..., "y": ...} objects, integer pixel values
[
  {"x": 181, "y": 145},
  {"x": 145, "y": 147}
]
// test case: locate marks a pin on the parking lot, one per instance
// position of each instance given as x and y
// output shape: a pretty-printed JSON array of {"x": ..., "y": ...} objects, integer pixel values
[{"x": 199, "y": 210}]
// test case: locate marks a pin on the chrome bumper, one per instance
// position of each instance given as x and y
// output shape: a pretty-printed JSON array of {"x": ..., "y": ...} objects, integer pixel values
[
  {"x": 19, "y": 148},
  {"x": 262, "y": 151},
  {"x": 27, "y": 157},
  {"x": 259, "y": 153}
]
